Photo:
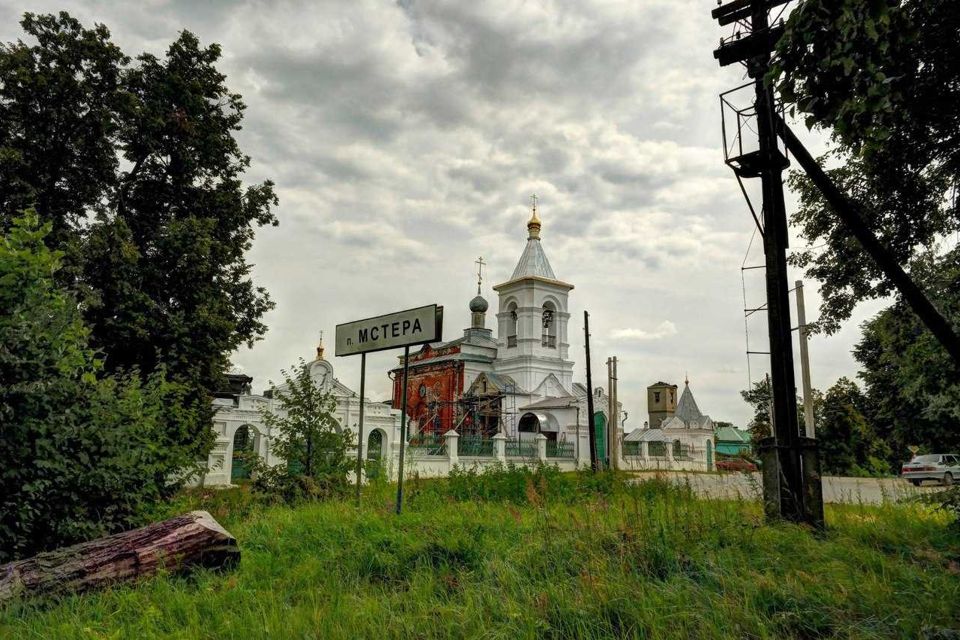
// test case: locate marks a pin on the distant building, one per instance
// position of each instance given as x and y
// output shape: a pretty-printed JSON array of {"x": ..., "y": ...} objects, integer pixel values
[
  {"x": 678, "y": 436},
  {"x": 731, "y": 441}
]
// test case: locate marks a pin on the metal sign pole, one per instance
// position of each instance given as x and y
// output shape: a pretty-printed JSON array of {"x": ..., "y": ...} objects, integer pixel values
[
  {"x": 363, "y": 379},
  {"x": 403, "y": 427}
]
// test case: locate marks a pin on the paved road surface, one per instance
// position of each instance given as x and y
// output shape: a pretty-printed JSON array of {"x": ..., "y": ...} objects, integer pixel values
[{"x": 835, "y": 489}]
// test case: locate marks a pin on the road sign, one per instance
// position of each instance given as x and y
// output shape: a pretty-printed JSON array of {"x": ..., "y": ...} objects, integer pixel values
[
  {"x": 401, "y": 329},
  {"x": 390, "y": 331}
]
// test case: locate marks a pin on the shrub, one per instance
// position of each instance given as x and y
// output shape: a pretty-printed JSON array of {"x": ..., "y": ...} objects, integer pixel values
[
  {"x": 948, "y": 501},
  {"x": 81, "y": 453},
  {"x": 309, "y": 441}
]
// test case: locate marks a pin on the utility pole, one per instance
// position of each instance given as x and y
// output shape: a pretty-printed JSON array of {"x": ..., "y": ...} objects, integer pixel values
[
  {"x": 613, "y": 430},
  {"x": 791, "y": 491},
  {"x": 591, "y": 428},
  {"x": 805, "y": 363}
]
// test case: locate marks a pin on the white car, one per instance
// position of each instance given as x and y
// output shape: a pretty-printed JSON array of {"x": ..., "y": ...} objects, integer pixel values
[{"x": 942, "y": 467}]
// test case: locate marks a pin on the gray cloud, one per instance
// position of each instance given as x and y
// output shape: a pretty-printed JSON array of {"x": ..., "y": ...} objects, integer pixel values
[{"x": 405, "y": 140}]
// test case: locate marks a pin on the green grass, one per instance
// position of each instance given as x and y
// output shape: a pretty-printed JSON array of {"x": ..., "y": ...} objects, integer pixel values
[{"x": 548, "y": 556}]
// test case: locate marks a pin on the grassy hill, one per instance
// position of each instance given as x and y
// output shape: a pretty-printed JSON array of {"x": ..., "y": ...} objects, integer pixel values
[{"x": 536, "y": 556}]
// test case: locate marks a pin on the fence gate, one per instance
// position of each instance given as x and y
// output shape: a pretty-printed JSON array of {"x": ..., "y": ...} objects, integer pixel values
[
  {"x": 242, "y": 452},
  {"x": 374, "y": 454},
  {"x": 600, "y": 428}
]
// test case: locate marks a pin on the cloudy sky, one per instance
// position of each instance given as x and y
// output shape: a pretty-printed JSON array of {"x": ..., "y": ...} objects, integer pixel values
[{"x": 406, "y": 137}]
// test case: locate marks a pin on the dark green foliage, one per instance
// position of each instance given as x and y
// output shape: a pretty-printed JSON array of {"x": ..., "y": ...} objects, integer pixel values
[
  {"x": 81, "y": 453},
  {"x": 912, "y": 388},
  {"x": 136, "y": 166},
  {"x": 876, "y": 71},
  {"x": 884, "y": 79},
  {"x": 760, "y": 397},
  {"x": 948, "y": 501},
  {"x": 849, "y": 442},
  {"x": 849, "y": 445},
  {"x": 58, "y": 120},
  {"x": 307, "y": 438},
  {"x": 910, "y": 212}
]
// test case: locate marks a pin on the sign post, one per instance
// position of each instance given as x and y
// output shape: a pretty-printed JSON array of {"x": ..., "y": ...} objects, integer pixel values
[
  {"x": 393, "y": 330},
  {"x": 403, "y": 428},
  {"x": 363, "y": 379}
]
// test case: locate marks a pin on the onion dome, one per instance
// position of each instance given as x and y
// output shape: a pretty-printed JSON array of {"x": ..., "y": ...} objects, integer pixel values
[{"x": 479, "y": 305}]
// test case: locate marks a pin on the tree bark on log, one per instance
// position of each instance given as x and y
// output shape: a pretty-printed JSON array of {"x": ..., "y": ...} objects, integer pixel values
[{"x": 192, "y": 540}]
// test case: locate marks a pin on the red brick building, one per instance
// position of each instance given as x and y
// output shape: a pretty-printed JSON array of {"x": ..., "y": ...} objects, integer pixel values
[{"x": 435, "y": 384}]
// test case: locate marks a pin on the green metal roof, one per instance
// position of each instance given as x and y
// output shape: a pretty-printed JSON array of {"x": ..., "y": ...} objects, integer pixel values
[{"x": 731, "y": 434}]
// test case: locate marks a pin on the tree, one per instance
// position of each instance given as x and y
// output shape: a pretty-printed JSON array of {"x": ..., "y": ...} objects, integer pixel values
[
  {"x": 58, "y": 118},
  {"x": 81, "y": 452},
  {"x": 848, "y": 443},
  {"x": 134, "y": 233},
  {"x": 759, "y": 397},
  {"x": 883, "y": 78},
  {"x": 913, "y": 391},
  {"x": 306, "y": 435}
]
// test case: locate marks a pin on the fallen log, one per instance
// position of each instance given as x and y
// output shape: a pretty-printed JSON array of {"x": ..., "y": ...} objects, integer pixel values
[{"x": 192, "y": 540}]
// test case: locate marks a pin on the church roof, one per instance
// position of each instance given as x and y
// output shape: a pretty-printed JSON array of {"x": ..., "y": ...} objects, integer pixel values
[
  {"x": 533, "y": 262},
  {"x": 561, "y": 402},
  {"x": 647, "y": 435},
  {"x": 687, "y": 409}
]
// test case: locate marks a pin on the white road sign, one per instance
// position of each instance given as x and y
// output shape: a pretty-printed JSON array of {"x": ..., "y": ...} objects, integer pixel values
[{"x": 401, "y": 329}]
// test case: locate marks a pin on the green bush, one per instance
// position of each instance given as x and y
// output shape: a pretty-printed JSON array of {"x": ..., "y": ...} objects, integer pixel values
[
  {"x": 309, "y": 441},
  {"x": 517, "y": 484},
  {"x": 81, "y": 454},
  {"x": 947, "y": 501}
]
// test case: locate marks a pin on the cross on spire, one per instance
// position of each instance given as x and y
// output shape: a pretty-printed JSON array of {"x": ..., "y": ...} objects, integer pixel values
[
  {"x": 479, "y": 264},
  {"x": 320, "y": 347}
]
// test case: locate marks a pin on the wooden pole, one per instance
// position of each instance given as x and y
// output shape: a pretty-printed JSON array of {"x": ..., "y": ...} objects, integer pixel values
[
  {"x": 805, "y": 363},
  {"x": 594, "y": 460},
  {"x": 615, "y": 412}
]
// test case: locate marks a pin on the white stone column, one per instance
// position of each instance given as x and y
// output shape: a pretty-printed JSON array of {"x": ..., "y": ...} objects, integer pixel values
[
  {"x": 644, "y": 450},
  {"x": 583, "y": 448},
  {"x": 541, "y": 441},
  {"x": 670, "y": 455},
  {"x": 452, "y": 437},
  {"x": 500, "y": 447}
]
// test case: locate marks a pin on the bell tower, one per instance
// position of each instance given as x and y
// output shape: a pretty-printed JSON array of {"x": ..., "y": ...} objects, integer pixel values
[{"x": 533, "y": 317}]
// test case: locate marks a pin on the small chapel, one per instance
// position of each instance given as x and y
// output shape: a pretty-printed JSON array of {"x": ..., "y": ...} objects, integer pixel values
[{"x": 677, "y": 436}]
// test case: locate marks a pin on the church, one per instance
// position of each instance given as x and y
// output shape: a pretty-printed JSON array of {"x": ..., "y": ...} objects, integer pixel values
[
  {"x": 518, "y": 382},
  {"x": 511, "y": 394},
  {"x": 678, "y": 436}
]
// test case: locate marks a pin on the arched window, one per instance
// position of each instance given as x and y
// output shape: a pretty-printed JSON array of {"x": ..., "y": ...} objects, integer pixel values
[
  {"x": 678, "y": 450},
  {"x": 549, "y": 336},
  {"x": 512, "y": 325}
]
